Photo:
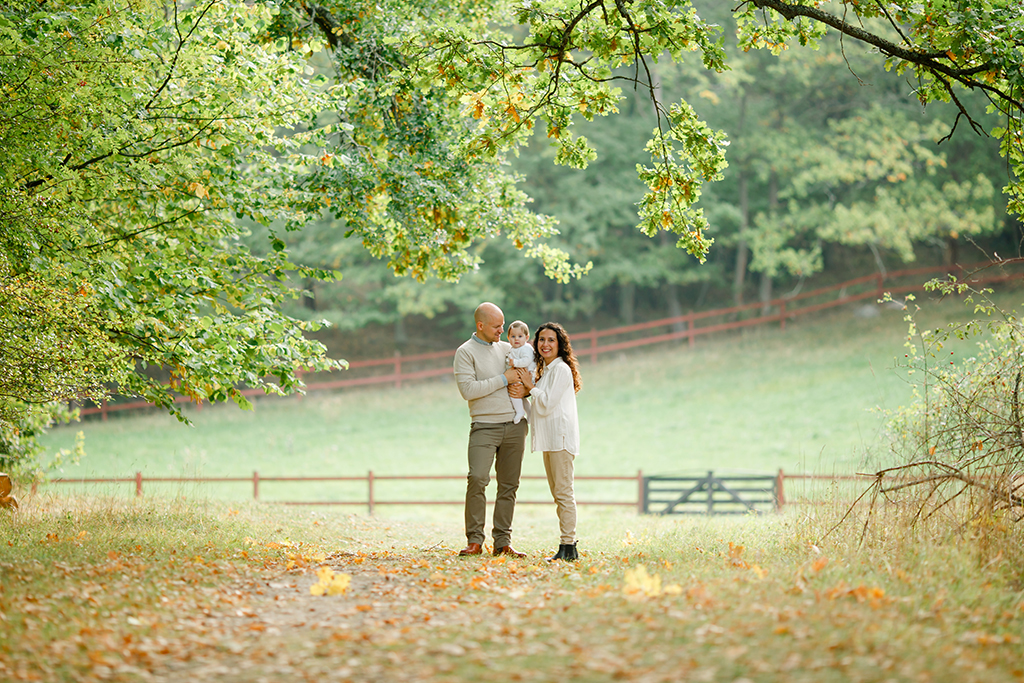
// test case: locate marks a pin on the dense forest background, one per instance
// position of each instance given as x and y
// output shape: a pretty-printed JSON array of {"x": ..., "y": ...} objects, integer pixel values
[{"x": 835, "y": 170}]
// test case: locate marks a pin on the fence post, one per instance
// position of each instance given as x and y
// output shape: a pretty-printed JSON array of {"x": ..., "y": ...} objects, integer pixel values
[
  {"x": 780, "y": 494},
  {"x": 103, "y": 410},
  {"x": 782, "y": 315},
  {"x": 398, "y": 369},
  {"x": 369, "y": 486},
  {"x": 641, "y": 493},
  {"x": 593, "y": 345},
  {"x": 689, "y": 329},
  {"x": 255, "y": 485},
  {"x": 138, "y": 484}
]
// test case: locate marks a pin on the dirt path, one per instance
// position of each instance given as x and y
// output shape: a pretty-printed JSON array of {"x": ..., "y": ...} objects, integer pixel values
[{"x": 270, "y": 625}]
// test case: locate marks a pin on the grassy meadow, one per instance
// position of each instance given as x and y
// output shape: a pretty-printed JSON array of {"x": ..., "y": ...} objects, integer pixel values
[
  {"x": 166, "y": 588},
  {"x": 805, "y": 400},
  {"x": 161, "y": 590}
]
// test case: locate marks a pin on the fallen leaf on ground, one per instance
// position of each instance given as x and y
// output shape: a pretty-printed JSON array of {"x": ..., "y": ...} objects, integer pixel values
[{"x": 329, "y": 583}]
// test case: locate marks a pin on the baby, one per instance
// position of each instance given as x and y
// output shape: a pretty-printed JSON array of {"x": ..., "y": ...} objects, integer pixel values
[{"x": 520, "y": 356}]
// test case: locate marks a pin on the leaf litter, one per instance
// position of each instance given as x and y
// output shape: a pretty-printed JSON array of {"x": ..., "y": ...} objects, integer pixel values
[{"x": 279, "y": 609}]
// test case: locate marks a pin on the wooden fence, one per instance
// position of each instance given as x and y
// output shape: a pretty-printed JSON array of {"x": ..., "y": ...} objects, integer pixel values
[
  {"x": 645, "y": 498},
  {"x": 398, "y": 369}
]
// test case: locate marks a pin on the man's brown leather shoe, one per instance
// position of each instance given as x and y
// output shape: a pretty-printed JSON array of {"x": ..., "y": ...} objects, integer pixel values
[
  {"x": 471, "y": 549},
  {"x": 508, "y": 550}
]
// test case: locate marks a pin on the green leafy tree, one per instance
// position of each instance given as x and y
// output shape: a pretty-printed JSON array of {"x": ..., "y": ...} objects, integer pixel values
[
  {"x": 395, "y": 174},
  {"x": 564, "y": 63},
  {"x": 597, "y": 216},
  {"x": 395, "y": 196},
  {"x": 147, "y": 139},
  {"x": 134, "y": 134},
  {"x": 370, "y": 293},
  {"x": 826, "y": 151},
  {"x": 809, "y": 145}
]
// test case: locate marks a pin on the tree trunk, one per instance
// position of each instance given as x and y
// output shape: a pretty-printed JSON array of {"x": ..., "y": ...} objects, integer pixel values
[
  {"x": 765, "y": 293},
  {"x": 310, "y": 301},
  {"x": 401, "y": 336},
  {"x": 675, "y": 308},
  {"x": 627, "y": 298},
  {"x": 765, "y": 290},
  {"x": 742, "y": 253},
  {"x": 952, "y": 251},
  {"x": 740, "y": 276}
]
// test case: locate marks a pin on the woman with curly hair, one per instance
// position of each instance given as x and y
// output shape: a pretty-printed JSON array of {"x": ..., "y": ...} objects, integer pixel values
[{"x": 554, "y": 424}]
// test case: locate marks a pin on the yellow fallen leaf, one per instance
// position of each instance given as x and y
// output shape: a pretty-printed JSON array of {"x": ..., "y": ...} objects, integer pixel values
[
  {"x": 638, "y": 582},
  {"x": 329, "y": 583}
]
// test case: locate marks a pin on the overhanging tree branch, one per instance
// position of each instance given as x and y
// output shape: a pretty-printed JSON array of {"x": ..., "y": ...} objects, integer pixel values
[
  {"x": 177, "y": 52},
  {"x": 927, "y": 60}
]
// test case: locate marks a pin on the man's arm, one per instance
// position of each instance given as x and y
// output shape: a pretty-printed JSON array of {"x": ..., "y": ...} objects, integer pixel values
[{"x": 469, "y": 386}]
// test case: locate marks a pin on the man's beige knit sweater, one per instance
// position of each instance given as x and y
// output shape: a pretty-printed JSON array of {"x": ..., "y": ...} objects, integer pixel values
[{"x": 479, "y": 368}]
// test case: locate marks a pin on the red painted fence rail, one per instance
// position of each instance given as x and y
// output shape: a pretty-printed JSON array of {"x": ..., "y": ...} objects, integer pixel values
[
  {"x": 695, "y": 324},
  {"x": 371, "y": 501}
]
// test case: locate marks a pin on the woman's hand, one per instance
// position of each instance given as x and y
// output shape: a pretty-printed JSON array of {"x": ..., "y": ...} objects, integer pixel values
[
  {"x": 526, "y": 379},
  {"x": 515, "y": 383}
]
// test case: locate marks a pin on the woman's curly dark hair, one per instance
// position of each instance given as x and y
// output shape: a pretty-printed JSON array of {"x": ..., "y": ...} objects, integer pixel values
[{"x": 565, "y": 352}]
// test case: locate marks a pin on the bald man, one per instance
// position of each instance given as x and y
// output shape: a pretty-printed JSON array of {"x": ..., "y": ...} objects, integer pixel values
[{"x": 493, "y": 436}]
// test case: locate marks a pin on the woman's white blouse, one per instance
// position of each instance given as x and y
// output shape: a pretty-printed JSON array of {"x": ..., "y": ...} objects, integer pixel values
[{"x": 554, "y": 425}]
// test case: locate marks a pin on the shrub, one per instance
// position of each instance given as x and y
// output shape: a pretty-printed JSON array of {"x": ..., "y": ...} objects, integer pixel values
[
  {"x": 21, "y": 455},
  {"x": 958, "y": 447}
]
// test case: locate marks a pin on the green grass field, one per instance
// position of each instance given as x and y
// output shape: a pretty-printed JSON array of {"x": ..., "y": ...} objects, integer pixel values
[{"x": 804, "y": 400}]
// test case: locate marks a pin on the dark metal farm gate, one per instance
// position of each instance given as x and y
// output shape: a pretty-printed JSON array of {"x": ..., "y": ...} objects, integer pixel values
[{"x": 711, "y": 494}]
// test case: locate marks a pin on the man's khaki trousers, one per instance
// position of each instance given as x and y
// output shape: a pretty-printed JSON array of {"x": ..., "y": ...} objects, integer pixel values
[{"x": 502, "y": 445}]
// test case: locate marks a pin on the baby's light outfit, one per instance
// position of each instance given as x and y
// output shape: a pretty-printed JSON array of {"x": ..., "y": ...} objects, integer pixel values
[{"x": 521, "y": 357}]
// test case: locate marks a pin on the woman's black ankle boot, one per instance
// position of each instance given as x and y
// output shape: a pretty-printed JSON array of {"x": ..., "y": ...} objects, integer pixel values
[{"x": 567, "y": 552}]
